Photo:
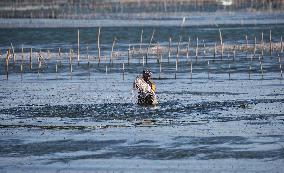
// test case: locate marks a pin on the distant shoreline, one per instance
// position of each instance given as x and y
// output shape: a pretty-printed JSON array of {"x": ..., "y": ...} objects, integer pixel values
[{"x": 199, "y": 19}]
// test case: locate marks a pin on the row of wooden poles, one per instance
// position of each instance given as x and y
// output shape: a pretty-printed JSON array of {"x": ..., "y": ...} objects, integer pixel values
[{"x": 144, "y": 55}]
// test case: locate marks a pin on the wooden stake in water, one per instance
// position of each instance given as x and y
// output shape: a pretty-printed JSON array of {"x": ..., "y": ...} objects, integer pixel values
[
  {"x": 190, "y": 69},
  {"x": 204, "y": 48},
  {"x": 48, "y": 55},
  {"x": 149, "y": 46},
  {"x": 160, "y": 70},
  {"x": 78, "y": 46},
  {"x": 196, "y": 50},
  {"x": 14, "y": 56},
  {"x": 281, "y": 44},
  {"x": 7, "y": 64},
  {"x": 228, "y": 56},
  {"x": 254, "y": 49},
  {"x": 270, "y": 42},
  {"x": 22, "y": 55},
  {"x": 39, "y": 63},
  {"x": 221, "y": 38},
  {"x": 133, "y": 52},
  {"x": 141, "y": 41},
  {"x": 262, "y": 39},
  {"x": 229, "y": 71},
  {"x": 222, "y": 51},
  {"x": 56, "y": 65},
  {"x": 280, "y": 66},
  {"x": 187, "y": 49},
  {"x": 215, "y": 51},
  {"x": 169, "y": 51},
  {"x": 88, "y": 56},
  {"x": 99, "y": 48},
  {"x": 234, "y": 53},
  {"x": 261, "y": 69},
  {"x": 70, "y": 62},
  {"x": 106, "y": 69},
  {"x": 143, "y": 61},
  {"x": 262, "y": 44},
  {"x": 158, "y": 53},
  {"x": 178, "y": 50},
  {"x": 246, "y": 37},
  {"x": 128, "y": 55},
  {"x": 112, "y": 47},
  {"x": 59, "y": 56},
  {"x": 176, "y": 69},
  {"x": 123, "y": 70},
  {"x": 31, "y": 63},
  {"x": 208, "y": 65}
]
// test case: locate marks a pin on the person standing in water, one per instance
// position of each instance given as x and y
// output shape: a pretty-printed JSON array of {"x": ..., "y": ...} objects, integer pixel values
[{"x": 146, "y": 88}]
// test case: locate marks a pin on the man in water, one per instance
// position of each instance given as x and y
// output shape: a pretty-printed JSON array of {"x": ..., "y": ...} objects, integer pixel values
[{"x": 146, "y": 88}]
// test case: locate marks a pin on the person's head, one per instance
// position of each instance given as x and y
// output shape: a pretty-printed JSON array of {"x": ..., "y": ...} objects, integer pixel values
[{"x": 147, "y": 74}]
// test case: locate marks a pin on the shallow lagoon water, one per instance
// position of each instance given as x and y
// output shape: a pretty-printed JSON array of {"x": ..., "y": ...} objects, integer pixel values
[{"x": 88, "y": 121}]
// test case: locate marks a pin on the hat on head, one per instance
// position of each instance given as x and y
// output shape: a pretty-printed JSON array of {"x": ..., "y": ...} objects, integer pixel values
[{"x": 147, "y": 72}]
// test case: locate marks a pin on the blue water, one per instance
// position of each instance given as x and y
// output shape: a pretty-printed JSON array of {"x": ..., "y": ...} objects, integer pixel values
[{"x": 86, "y": 120}]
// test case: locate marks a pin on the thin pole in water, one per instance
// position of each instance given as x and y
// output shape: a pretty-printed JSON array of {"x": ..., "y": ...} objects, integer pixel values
[
  {"x": 70, "y": 62},
  {"x": 261, "y": 68},
  {"x": 78, "y": 46},
  {"x": 59, "y": 56},
  {"x": 141, "y": 41},
  {"x": 196, "y": 50},
  {"x": 208, "y": 64},
  {"x": 190, "y": 69},
  {"x": 187, "y": 50},
  {"x": 221, "y": 43},
  {"x": 123, "y": 70},
  {"x": 7, "y": 64},
  {"x": 176, "y": 69},
  {"x": 14, "y": 56},
  {"x": 204, "y": 49},
  {"x": 262, "y": 44},
  {"x": 22, "y": 59},
  {"x": 229, "y": 71},
  {"x": 281, "y": 44},
  {"x": 160, "y": 70},
  {"x": 149, "y": 46},
  {"x": 270, "y": 42},
  {"x": 88, "y": 56},
  {"x": 254, "y": 50},
  {"x": 169, "y": 51},
  {"x": 222, "y": 51},
  {"x": 48, "y": 55},
  {"x": 98, "y": 44},
  {"x": 246, "y": 37},
  {"x": 234, "y": 53},
  {"x": 39, "y": 64},
  {"x": 56, "y": 68},
  {"x": 31, "y": 54},
  {"x": 215, "y": 51},
  {"x": 280, "y": 66},
  {"x": 128, "y": 54},
  {"x": 111, "y": 53},
  {"x": 177, "y": 56}
]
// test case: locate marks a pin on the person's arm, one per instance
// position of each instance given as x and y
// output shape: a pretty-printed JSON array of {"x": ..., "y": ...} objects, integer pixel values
[{"x": 141, "y": 85}]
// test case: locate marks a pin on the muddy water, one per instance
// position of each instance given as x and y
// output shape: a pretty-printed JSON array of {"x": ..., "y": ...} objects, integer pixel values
[{"x": 87, "y": 120}]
